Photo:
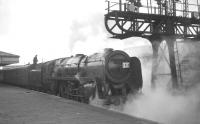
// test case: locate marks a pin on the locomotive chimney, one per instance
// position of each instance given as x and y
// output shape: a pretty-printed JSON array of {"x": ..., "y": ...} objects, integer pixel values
[
  {"x": 107, "y": 50},
  {"x": 77, "y": 55}
]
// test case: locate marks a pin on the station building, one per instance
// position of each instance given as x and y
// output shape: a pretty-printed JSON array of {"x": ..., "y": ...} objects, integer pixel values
[{"x": 8, "y": 58}]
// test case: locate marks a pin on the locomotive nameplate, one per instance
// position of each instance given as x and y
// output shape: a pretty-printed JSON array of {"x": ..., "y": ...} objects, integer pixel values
[{"x": 125, "y": 65}]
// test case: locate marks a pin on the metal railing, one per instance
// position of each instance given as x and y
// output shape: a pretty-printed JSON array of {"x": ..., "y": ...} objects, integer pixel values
[{"x": 124, "y": 5}]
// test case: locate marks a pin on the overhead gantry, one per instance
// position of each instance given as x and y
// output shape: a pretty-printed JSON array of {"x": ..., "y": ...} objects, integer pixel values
[{"x": 156, "y": 20}]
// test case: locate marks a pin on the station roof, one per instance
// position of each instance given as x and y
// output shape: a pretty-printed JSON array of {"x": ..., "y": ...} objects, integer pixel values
[{"x": 8, "y": 58}]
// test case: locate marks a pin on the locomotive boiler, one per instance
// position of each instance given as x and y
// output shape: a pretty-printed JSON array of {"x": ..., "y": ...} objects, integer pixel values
[
  {"x": 110, "y": 74},
  {"x": 106, "y": 74}
]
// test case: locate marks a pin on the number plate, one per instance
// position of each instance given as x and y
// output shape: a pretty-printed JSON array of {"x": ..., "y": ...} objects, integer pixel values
[{"x": 125, "y": 65}]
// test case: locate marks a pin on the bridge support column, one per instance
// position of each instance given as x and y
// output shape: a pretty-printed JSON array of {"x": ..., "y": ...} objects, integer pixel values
[
  {"x": 155, "y": 46},
  {"x": 170, "y": 43}
]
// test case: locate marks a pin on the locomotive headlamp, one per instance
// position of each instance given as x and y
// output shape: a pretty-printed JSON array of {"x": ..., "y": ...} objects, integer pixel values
[{"x": 125, "y": 65}]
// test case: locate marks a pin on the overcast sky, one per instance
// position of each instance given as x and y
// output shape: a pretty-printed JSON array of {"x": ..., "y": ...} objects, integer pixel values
[{"x": 55, "y": 28}]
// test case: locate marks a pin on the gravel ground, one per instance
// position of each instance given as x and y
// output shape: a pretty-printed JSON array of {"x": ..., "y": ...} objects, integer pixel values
[{"x": 23, "y": 106}]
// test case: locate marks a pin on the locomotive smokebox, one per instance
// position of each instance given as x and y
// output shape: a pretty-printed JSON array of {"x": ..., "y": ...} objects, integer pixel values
[{"x": 117, "y": 67}]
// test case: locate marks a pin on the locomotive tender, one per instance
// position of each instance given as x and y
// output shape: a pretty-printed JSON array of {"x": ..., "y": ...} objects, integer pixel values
[{"x": 110, "y": 75}]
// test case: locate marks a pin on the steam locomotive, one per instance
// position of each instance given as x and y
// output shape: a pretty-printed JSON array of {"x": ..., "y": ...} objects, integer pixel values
[{"x": 111, "y": 75}]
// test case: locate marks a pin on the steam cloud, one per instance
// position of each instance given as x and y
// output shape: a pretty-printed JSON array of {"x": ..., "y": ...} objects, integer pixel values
[
  {"x": 162, "y": 106},
  {"x": 165, "y": 105}
]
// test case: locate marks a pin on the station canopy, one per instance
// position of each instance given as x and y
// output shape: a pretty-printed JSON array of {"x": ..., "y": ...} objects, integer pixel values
[{"x": 7, "y": 58}]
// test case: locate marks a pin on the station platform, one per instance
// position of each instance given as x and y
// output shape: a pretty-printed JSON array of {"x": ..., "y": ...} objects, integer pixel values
[{"x": 23, "y": 106}]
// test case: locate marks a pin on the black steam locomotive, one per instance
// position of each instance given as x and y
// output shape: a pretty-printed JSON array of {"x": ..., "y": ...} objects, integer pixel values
[{"x": 110, "y": 75}]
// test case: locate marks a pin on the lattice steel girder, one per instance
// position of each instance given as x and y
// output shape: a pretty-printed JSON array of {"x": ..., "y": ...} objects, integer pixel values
[{"x": 120, "y": 23}]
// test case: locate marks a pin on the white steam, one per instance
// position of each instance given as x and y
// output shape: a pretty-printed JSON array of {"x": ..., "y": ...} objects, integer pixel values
[{"x": 163, "y": 104}]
